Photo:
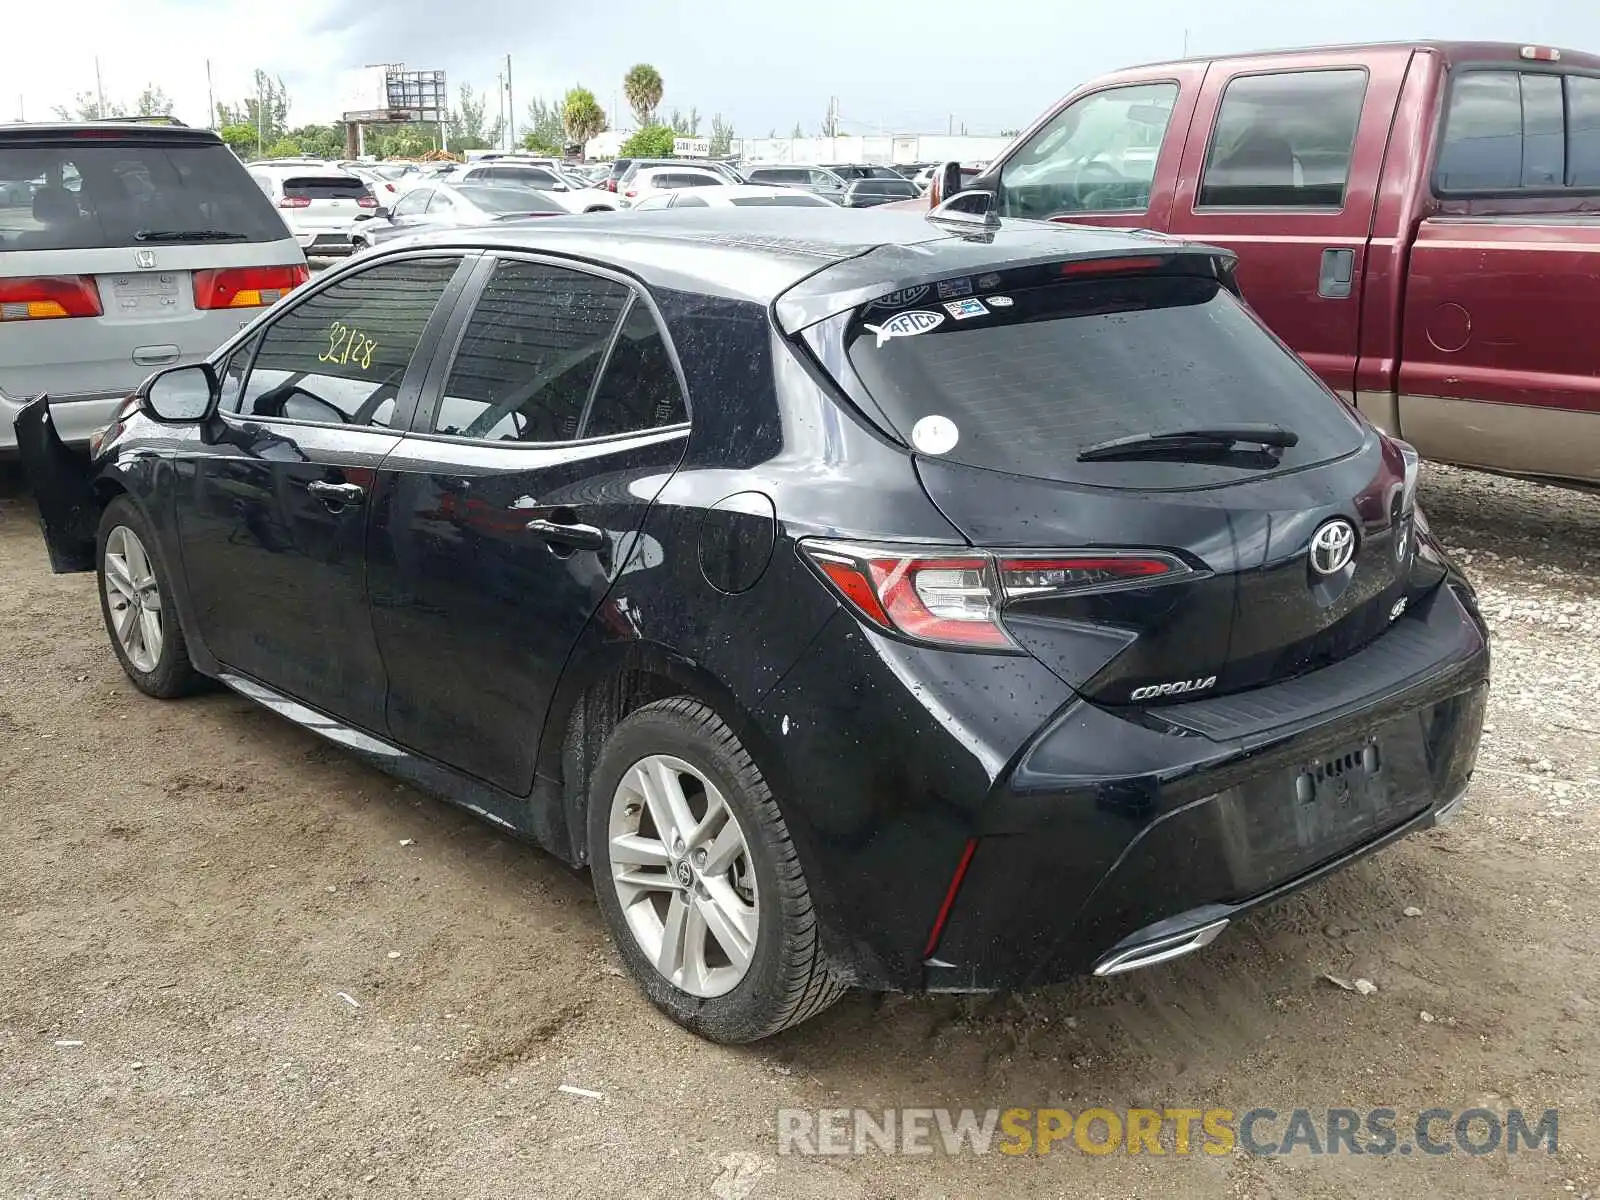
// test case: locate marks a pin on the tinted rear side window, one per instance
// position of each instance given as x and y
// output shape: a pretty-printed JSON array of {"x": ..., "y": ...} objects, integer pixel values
[
  {"x": 639, "y": 389},
  {"x": 1031, "y": 383},
  {"x": 94, "y": 194},
  {"x": 325, "y": 187}
]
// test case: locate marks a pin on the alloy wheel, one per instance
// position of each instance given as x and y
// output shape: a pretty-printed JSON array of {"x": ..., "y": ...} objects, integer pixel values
[
  {"x": 133, "y": 598},
  {"x": 682, "y": 872}
]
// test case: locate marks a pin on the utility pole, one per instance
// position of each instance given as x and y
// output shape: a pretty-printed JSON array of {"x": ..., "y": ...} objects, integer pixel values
[
  {"x": 261, "y": 125},
  {"x": 1186, "y": 43},
  {"x": 99, "y": 92},
  {"x": 500, "y": 88},
  {"x": 211, "y": 100},
  {"x": 511, "y": 110}
]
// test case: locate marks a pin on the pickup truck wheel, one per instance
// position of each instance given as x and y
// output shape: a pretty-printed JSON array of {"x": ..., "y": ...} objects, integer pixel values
[
  {"x": 136, "y": 601},
  {"x": 698, "y": 880}
]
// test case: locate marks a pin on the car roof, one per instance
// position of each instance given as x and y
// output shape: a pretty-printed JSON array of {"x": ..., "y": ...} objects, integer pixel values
[
  {"x": 142, "y": 131},
  {"x": 734, "y": 191},
  {"x": 1452, "y": 52},
  {"x": 843, "y": 257}
]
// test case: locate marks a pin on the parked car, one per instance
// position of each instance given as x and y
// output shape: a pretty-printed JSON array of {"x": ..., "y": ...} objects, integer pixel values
[
  {"x": 123, "y": 248},
  {"x": 850, "y": 172},
  {"x": 862, "y": 600},
  {"x": 869, "y": 192},
  {"x": 812, "y": 179},
  {"x": 317, "y": 203},
  {"x": 1416, "y": 220},
  {"x": 433, "y": 206},
  {"x": 726, "y": 172},
  {"x": 641, "y": 184},
  {"x": 572, "y": 195},
  {"x": 387, "y": 181},
  {"x": 743, "y": 196}
]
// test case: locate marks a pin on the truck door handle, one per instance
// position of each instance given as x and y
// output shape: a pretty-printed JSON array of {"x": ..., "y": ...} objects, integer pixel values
[
  {"x": 1337, "y": 275},
  {"x": 337, "y": 494},
  {"x": 583, "y": 537}
]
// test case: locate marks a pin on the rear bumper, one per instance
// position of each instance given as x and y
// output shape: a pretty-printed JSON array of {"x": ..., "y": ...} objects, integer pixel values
[
  {"x": 1182, "y": 832},
  {"x": 325, "y": 241},
  {"x": 1095, "y": 831}
]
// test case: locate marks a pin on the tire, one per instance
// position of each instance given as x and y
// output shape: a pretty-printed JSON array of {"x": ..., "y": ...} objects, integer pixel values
[
  {"x": 785, "y": 979},
  {"x": 166, "y": 673}
]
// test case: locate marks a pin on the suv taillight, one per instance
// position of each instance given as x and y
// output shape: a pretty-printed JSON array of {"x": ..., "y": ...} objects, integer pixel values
[
  {"x": 368, "y": 201},
  {"x": 955, "y": 599},
  {"x": 45, "y": 297},
  {"x": 246, "y": 287},
  {"x": 611, "y": 185},
  {"x": 295, "y": 202}
]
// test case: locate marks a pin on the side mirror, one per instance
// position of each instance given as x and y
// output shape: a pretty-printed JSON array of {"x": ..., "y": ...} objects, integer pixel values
[
  {"x": 383, "y": 211},
  {"x": 945, "y": 184},
  {"x": 561, "y": 187},
  {"x": 180, "y": 395}
]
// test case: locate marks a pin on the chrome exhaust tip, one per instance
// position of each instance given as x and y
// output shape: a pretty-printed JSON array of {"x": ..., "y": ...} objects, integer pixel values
[{"x": 1160, "y": 950}]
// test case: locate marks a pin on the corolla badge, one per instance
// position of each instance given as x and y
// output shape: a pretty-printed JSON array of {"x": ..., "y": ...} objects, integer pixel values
[
  {"x": 1333, "y": 546},
  {"x": 144, "y": 259},
  {"x": 906, "y": 324}
]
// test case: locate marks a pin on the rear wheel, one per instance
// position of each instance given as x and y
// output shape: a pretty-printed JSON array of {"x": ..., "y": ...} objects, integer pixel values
[
  {"x": 136, "y": 601},
  {"x": 698, "y": 879}
]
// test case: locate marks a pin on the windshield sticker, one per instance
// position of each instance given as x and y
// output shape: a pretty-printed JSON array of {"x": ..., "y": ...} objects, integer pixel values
[
  {"x": 346, "y": 345},
  {"x": 901, "y": 298},
  {"x": 1000, "y": 301},
  {"x": 949, "y": 288},
  {"x": 935, "y": 435},
  {"x": 962, "y": 309},
  {"x": 906, "y": 324},
  {"x": 985, "y": 282}
]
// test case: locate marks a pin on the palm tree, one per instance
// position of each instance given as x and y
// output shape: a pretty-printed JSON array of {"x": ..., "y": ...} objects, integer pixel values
[
  {"x": 581, "y": 115},
  {"x": 642, "y": 86}
]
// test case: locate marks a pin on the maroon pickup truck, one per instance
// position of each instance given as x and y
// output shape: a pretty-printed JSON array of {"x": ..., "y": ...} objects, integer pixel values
[{"x": 1420, "y": 222}]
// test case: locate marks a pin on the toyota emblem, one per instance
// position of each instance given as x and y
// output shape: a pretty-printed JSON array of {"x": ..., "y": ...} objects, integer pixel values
[{"x": 1333, "y": 546}]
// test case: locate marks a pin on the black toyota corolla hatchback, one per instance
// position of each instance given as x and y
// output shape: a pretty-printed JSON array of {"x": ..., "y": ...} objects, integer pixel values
[{"x": 866, "y": 600}]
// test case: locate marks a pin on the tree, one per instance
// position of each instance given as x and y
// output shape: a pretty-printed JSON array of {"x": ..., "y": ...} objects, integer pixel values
[
  {"x": 470, "y": 128},
  {"x": 686, "y": 126},
  {"x": 319, "y": 141},
  {"x": 721, "y": 137},
  {"x": 284, "y": 147},
  {"x": 153, "y": 102},
  {"x": 653, "y": 141},
  {"x": 798, "y": 132},
  {"x": 642, "y": 86},
  {"x": 86, "y": 106},
  {"x": 241, "y": 139},
  {"x": 547, "y": 133},
  {"x": 581, "y": 115}
]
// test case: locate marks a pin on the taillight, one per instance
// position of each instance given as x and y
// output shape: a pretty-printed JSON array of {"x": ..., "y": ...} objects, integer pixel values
[
  {"x": 955, "y": 599},
  {"x": 611, "y": 185},
  {"x": 631, "y": 193},
  {"x": 368, "y": 201},
  {"x": 246, "y": 287},
  {"x": 45, "y": 297},
  {"x": 295, "y": 202}
]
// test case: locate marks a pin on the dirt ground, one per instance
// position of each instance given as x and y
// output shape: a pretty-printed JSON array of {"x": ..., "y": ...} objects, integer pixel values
[{"x": 236, "y": 963}]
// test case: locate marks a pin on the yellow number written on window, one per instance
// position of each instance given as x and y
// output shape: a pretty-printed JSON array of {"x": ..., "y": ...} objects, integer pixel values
[{"x": 347, "y": 346}]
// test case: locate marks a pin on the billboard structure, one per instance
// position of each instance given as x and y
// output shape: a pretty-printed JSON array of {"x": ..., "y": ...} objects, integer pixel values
[{"x": 388, "y": 94}]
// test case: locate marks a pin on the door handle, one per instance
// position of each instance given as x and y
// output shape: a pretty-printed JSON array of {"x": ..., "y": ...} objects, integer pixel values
[
  {"x": 584, "y": 537},
  {"x": 1337, "y": 275},
  {"x": 339, "y": 494}
]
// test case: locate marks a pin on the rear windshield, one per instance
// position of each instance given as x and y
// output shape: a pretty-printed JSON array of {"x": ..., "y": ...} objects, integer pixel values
[
  {"x": 1032, "y": 376},
  {"x": 508, "y": 198},
  {"x": 886, "y": 187},
  {"x": 324, "y": 187},
  {"x": 95, "y": 194}
]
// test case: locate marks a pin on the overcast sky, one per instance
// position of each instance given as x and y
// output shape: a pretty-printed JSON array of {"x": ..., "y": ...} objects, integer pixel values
[{"x": 907, "y": 65}]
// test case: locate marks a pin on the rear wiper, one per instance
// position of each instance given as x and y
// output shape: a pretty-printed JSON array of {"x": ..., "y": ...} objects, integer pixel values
[
  {"x": 189, "y": 235},
  {"x": 1206, "y": 440}
]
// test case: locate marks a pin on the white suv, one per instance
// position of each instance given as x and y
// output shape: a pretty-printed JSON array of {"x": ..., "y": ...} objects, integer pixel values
[
  {"x": 123, "y": 249},
  {"x": 316, "y": 201}
]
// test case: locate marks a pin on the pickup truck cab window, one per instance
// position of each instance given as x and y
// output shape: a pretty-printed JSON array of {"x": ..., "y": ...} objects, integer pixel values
[
  {"x": 1284, "y": 140},
  {"x": 1510, "y": 131},
  {"x": 1096, "y": 155}
]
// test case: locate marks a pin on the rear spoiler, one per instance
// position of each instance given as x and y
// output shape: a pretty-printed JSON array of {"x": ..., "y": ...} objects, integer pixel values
[{"x": 911, "y": 272}]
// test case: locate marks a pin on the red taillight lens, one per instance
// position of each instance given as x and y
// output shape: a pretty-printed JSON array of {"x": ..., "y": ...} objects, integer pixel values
[
  {"x": 1111, "y": 266},
  {"x": 956, "y": 599},
  {"x": 45, "y": 297},
  {"x": 631, "y": 193},
  {"x": 295, "y": 202},
  {"x": 246, "y": 287},
  {"x": 367, "y": 201},
  {"x": 611, "y": 185}
]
